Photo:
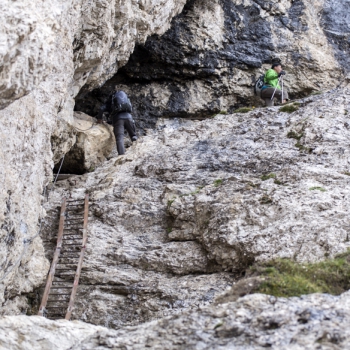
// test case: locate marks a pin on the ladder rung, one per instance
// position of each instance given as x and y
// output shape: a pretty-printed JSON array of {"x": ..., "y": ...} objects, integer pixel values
[
  {"x": 56, "y": 316},
  {"x": 57, "y": 301},
  {"x": 61, "y": 282},
  {"x": 59, "y": 294},
  {"x": 67, "y": 257}
]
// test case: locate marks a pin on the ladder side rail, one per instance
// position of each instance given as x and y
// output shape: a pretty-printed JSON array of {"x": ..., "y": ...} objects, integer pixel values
[
  {"x": 80, "y": 263},
  {"x": 56, "y": 256}
]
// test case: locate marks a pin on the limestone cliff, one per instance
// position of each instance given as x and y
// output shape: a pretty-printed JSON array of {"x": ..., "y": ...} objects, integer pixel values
[
  {"x": 177, "y": 221},
  {"x": 191, "y": 206},
  {"x": 48, "y": 52},
  {"x": 213, "y": 52}
]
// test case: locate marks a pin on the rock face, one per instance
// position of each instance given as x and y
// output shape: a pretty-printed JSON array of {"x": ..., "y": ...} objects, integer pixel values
[
  {"x": 253, "y": 322},
  {"x": 94, "y": 143},
  {"x": 213, "y": 52},
  {"x": 175, "y": 222},
  {"x": 193, "y": 204},
  {"x": 48, "y": 52}
]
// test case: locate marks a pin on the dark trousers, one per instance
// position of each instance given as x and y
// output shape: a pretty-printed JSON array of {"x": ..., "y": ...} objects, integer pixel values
[
  {"x": 119, "y": 127},
  {"x": 266, "y": 95}
]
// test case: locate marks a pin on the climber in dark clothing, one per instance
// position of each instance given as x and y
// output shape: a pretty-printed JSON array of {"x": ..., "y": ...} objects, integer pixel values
[{"x": 119, "y": 108}]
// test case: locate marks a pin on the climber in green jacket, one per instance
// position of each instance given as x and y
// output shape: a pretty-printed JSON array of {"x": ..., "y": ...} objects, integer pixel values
[{"x": 271, "y": 80}]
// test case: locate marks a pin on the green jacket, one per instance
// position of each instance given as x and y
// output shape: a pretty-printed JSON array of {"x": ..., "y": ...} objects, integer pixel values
[{"x": 271, "y": 78}]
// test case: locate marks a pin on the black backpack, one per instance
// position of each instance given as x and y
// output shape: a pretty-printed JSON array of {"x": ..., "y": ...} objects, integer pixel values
[
  {"x": 121, "y": 103},
  {"x": 258, "y": 85}
]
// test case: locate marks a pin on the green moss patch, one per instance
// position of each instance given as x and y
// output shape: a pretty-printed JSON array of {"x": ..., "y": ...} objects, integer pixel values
[
  {"x": 293, "y": 135},
  {"x": 290, "y": 108},
  {"x": 297, "y": 136},
  {"x": 286, "y": 278},
  {"x": 217, "y": 183},
  {"x": 317, "y": 188},
  {"x": 271, "y": 176},
  {"x": 265, "y": 199},
  {"x": 243, "y": 110},
  {"x": 170, "y": 202},
  {"x": 268, "y": 177}
]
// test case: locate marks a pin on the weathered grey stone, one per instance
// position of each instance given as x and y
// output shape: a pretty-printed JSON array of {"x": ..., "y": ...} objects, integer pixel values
[
  {"x": 209, "y": 58},
  {"x": 256, "y": 321},
  {"x": 94, "y": 143},
  {"x": 48, "y": 52},
  {"x": 189, "y": 199}
]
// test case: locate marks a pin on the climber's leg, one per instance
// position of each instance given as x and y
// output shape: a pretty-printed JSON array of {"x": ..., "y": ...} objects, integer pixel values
[
  {"x": 269, "y": 102},
  {"x": 130, "y": 127},
  {"x": 266, "y": 95},
  {"x": 119, "y": 135}
]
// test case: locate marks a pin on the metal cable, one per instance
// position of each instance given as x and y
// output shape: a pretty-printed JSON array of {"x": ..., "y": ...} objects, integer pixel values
[{"x": 59, "y": 170}]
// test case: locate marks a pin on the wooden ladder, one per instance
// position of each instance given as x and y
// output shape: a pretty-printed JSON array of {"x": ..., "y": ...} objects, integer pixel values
[{"x": 63, "y": 278}]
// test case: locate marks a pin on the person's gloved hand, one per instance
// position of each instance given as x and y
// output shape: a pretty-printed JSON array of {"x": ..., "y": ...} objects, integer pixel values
[{"x": 282, "y": 73}]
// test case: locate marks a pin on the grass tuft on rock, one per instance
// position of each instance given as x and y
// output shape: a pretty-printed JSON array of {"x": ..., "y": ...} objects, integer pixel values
[
  {"x": 293, "y": 135},
  {"x": 268, "y": 177},
  {"x": 290, "y": 108},
  {"x": 271, "y": 176},
  {"x": 243, "y": 110},
  {"x": 317, "y": 188},
  {"x": 287, "y": 278},
  {"x": 218, "y": 182}
]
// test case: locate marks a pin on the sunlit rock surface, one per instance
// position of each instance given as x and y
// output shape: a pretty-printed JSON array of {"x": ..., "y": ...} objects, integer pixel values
[
  {"x": 175, "y": 221},
  {"x": 258, "y": 321},
  {"x": 48, "y": 52},
  {"x": 214, "y": 51}
]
